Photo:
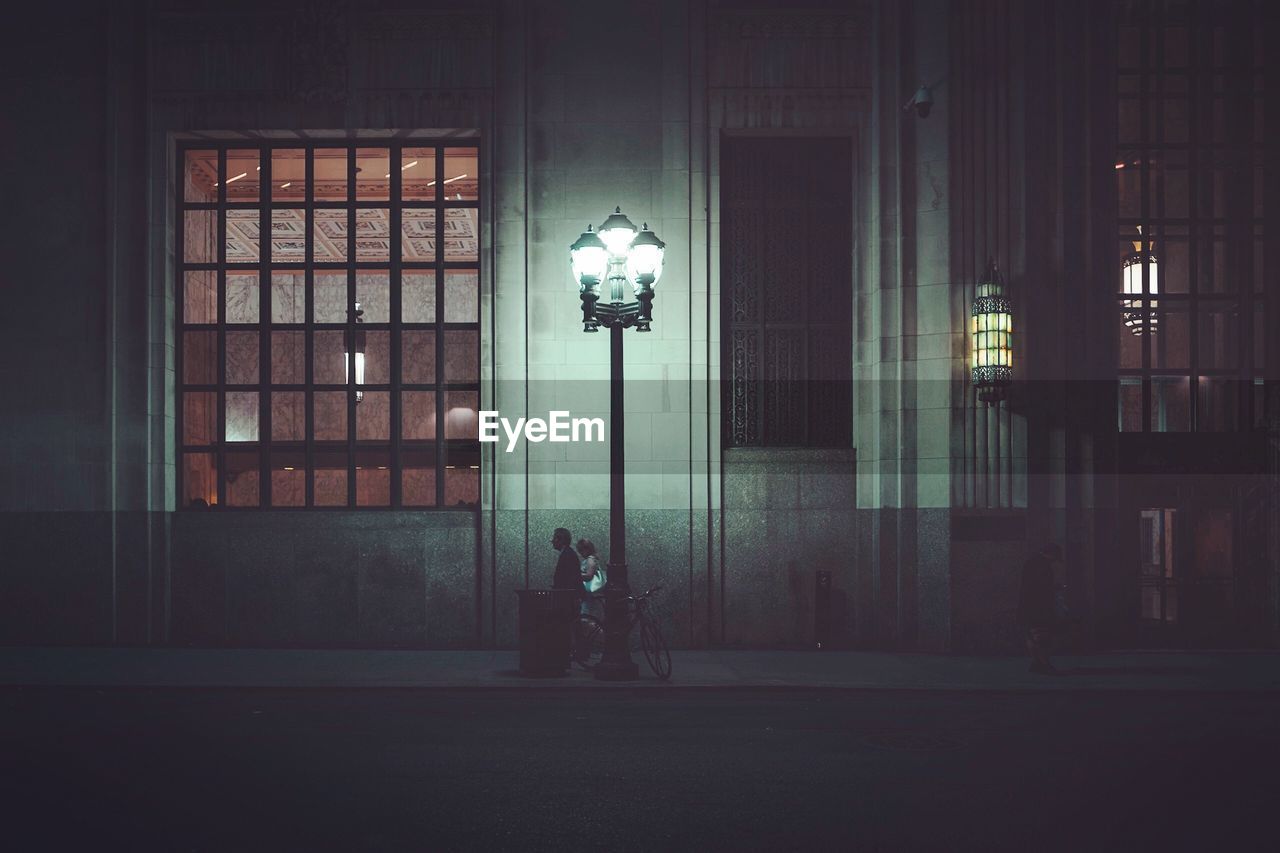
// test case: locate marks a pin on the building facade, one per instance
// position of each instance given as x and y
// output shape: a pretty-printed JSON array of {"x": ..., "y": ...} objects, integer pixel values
[{"x": 191, "y": 462}]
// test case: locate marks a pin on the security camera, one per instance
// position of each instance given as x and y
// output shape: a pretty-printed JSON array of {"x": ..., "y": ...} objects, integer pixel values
[{"x": 922, "y": 100}]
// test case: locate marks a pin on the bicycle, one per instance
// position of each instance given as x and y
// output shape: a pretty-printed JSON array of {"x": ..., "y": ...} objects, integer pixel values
[{"x": 589, "y": 636}]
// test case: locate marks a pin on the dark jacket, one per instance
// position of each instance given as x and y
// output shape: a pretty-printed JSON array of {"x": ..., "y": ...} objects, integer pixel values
[
  {"x": 1035, "y": 595},
  {"x": 568, "y": 571}
]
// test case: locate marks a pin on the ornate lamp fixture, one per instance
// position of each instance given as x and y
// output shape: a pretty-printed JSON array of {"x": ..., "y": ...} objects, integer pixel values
[
  {"x": 623, "y": 254},
  {"x": 355, "y": 339},
  {"x": 1140, "y": 314},
  {"x": 991, "y": 335}
]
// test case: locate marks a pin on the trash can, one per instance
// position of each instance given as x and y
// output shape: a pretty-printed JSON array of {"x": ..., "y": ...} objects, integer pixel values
[{"x": 545, "y": 617}]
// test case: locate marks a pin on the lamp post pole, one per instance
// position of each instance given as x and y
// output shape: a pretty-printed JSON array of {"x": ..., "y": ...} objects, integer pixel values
[
  {"x": 625, "y": 255},
  {"x": 616, "y": 663}
]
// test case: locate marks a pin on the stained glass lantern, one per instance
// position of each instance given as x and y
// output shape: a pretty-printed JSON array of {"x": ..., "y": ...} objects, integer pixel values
[
  {"x": 991, "y": 338},
  {"x": 1140, "y": 314}
]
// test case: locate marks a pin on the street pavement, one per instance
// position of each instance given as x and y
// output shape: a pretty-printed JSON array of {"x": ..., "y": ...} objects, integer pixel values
[
  {"x": 169, "y": 667},
  {"x": 633, "y": 768},
  {"x": 237, "y": 750}
]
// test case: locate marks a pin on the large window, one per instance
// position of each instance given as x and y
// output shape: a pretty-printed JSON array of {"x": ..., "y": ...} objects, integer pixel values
[
  {"x": 328, "y": 328},
  {"x": 1191, "y": 313},
  {"x": 787, "y": 305}
]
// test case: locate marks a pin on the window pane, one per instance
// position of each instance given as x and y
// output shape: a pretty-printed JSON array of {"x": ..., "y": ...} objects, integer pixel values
[
  {"x": 288, "y": 236},
  {"x": 242, "y": 479},
  {"x": 418, "y": 174},
  {"x": 461, "y": 296},
  {"x": 462, "y": 235},
  {"x": 329, "y": 479},
  {"x": 200, "y": 358},
  {"x": 199, "y": 417},
  {"x": 1170, "y": 404},
  {"x": 1173, "y": 271},
  {"x": 331, "y": 174},
  {"x": 1130, "y": 405},
  {"x": 373, "y": 178},
  {"x": 199, "y": 480},
  {"x": 200, "y": 237},
  {"x": 1171, "y": 339},
  {"x": 462, "y": 477},
  {"x": 461, "y": 174},
  {"x": 288, "y": 416},
  {"x": 418, "y": 237},
  {"x": 330, "y": 297},
  {"x": 418, "y": 416},
  {"x": 418, "y": 477},
  {"x": 243, "y": 235},
  {"x": 461, "y": 417},
  {"x": 373, "y": 292},
  {"x": 1218, "y": 406},
  {"x": 199, "y": 183},
  {"x": 373, "y": 478},
  {"x": 244, "y": 168},
  {"x": 288, "y": 296},
  {"x": 242, "y": 358},
  {"x": 377, "y": 357},
  {"x": 330, "y": 415},
  {"x": 330, "y": 236},
  {"x": 373, "y": 235},
  {"x": 1213, "y": 261},
  {"x": 418, "y": 359},
  {"x": 288, "y": 358},
  {"x": 1130, "y": 334},
  {"x": 330, "y": 366},
  {"x": 200, "y": 296},
  {"x": 288, "y": 179},
  {"x": 373, "y": 416},
  {"x": 288, "y": 479},
  {"x": 242, "y": 416},
  {"x": 418, "y": 297},
  {"x": 242, "y": 297},
  {"x": 1219, "y": 345},
  {"x": 461, "y": 358}
]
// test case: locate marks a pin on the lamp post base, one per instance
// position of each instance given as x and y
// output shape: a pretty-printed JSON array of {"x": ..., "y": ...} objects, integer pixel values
[{"x": 616, "y": 663}]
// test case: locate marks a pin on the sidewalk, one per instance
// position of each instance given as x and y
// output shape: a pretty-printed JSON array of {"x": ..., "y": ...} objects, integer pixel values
[{"x": 250, "y": 668}]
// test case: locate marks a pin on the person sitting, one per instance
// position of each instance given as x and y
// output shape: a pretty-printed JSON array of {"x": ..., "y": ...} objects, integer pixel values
[{"x": 592, "y": 574}]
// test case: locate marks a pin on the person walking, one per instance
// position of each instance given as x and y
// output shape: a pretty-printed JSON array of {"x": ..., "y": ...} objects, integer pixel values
[
  {"x": 568, "y": 575},
  {"x": 1037, "y": 608}
]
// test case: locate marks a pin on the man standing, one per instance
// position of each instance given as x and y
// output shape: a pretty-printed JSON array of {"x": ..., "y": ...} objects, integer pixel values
[
  {"x": 568, "y": 574},
  {"x": 1037, "y": 610}
]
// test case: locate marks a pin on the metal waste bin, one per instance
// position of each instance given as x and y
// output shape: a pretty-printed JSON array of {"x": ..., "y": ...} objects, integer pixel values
[{"x": 545, "y": 620}]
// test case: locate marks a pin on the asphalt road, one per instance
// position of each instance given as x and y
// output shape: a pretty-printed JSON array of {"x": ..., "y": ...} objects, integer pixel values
[{"x": 646, "y": 770}]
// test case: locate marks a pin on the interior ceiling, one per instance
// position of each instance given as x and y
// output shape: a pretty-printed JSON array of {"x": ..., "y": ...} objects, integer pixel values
[
  {"x": 373, "y": 235},
  {"x": 288, "y": 168}
]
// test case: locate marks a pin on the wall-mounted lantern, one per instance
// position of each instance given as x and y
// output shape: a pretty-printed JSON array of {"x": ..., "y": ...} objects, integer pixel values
[
  {"x": 991, "y": 338},
  {"x": 355, "y": 340},
  {"x": 1140, "y": 313}
]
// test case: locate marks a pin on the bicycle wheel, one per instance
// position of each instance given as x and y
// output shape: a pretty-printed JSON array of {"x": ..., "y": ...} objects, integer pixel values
[
  {"x": 588, "y": 641},
  {"x": 655, "y": 650}
]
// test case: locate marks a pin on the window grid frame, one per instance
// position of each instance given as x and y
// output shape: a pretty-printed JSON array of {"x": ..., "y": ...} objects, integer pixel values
[
  {"x": 440, "y": 447},
  {"x": 1201, "y": 74}
]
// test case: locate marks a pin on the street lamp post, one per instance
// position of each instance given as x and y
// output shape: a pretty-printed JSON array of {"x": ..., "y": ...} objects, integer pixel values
[{"x": 617, "y": 255}]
